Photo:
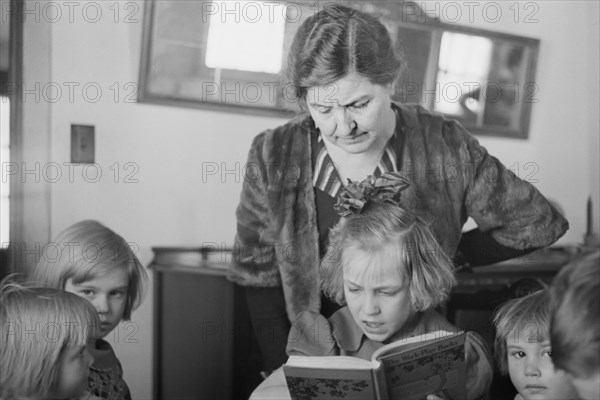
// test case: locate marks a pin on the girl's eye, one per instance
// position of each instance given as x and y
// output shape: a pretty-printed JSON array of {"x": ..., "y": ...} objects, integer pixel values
[
  {"x": 386, "y": 293},
  {"x": 118, "y": 293},
  {"x": 518, "y": 354},
  {"x": 353, "y": 290},
  {"x": 87, "y": 292},
  {"x": 324, "y": 110},
  {"x": 547, "y": 353}
]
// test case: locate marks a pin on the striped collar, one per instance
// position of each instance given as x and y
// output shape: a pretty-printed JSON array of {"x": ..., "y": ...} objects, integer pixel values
[{"x": 326, "y": 177}]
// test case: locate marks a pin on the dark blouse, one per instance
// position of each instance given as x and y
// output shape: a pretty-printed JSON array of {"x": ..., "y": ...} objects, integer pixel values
[{"x": 325, "y": 199}]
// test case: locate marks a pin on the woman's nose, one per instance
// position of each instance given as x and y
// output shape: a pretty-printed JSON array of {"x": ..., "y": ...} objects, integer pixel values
[{"x": 345, "y": 122}]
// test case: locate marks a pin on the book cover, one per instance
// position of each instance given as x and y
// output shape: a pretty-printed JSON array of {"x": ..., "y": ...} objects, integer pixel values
[{"x": 403, "y": 370}]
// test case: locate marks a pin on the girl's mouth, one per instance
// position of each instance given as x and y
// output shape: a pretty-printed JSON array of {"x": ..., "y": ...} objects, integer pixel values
[
  {"x": 373, "y": 326},
  {"x": 535, "y": 388}
]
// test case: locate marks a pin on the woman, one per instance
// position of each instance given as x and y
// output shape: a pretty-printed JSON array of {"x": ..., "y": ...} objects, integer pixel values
[{"x": 343, "y": 66}]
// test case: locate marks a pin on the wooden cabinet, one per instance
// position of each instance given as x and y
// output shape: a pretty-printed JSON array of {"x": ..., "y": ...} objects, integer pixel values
[{"x": 203, "y": 341}]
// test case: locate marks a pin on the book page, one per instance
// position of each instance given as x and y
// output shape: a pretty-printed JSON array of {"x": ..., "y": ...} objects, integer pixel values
[
  {"x": 330, "y": 383},
  {"x": 332, "y": 362},
  {"x": 409, "y": 343},
  {"x": 436, "y": 366}
]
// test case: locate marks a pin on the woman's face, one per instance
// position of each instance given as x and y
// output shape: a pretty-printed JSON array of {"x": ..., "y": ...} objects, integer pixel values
[{"x": 353, "y": 114}]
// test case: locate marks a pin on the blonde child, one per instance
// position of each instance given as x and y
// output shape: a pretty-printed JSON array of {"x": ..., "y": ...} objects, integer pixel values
[
  {"x": 44, "y": 334},
  {"x": 523, "y": 350},
  {"x": 575, "y": 327},
  {"x": 386, "y": 266},
  {"x": 96, "y": 263}
]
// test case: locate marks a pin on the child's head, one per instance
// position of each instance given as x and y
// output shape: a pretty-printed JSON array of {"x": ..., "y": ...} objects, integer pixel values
[
  {"x": 386, "y": 265},
  {"x": 575, "y": 327},
  {"x": 94, "y": 262},
  {"x": 44, "y": 332},
  {"x": 523, "y": 350}
]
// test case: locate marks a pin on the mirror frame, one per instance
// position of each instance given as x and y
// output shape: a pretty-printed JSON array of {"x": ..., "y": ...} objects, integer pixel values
[{"x": 395, "y": 15}]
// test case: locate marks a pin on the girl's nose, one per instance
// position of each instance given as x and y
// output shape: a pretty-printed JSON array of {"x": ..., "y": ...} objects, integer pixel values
[
  {"x": 370, "y": 305},
  {"x": 532, "y": 369},
  {"x": 89, "y": 358},
  {"x": 101, "y": 304}
]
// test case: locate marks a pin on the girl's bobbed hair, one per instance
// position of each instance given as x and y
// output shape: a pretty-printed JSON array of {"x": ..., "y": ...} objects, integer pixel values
[
  {"x": 336, "y": 41},
  {"x": 36, "y": 324},
  {"x": 382, "y": 226},
  {"x": 529, "y": 315},
  {"x": 86, "y": 250}
]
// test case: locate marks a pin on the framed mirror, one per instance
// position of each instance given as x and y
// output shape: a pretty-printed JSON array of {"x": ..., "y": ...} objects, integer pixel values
[{"x": 229, "y": 56}]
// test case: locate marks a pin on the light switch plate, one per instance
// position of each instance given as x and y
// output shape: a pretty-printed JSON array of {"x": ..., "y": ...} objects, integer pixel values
[{"x": 82, "y": 143}]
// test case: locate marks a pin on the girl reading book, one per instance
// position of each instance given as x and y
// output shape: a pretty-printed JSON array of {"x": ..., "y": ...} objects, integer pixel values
[{"x": 388, "y": 270}]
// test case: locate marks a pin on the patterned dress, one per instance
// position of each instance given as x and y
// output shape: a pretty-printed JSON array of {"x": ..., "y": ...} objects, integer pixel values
[{"x": 106, "y": 374}]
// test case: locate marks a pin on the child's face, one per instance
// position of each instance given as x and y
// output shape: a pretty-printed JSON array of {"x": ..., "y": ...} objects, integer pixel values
[
  {"x": 74, "y": 369},
  {"x": 531, "y": 370},
  {"x": 108, "y": 293},
  {"x": 378, "y": 298}
]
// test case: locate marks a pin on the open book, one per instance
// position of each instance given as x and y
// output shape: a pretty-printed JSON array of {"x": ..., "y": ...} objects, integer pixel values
[{"x": 404, "y": 370}]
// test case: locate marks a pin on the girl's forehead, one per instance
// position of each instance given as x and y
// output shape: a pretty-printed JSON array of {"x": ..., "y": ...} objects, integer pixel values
[
  {"x": 108, "y": 274},
  {"x": 364, "y": 266},
  {"x": 527, "y": 333}
]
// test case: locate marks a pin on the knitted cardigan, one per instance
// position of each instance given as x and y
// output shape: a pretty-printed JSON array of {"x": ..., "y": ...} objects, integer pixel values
[{"x": 452, "y": 178}]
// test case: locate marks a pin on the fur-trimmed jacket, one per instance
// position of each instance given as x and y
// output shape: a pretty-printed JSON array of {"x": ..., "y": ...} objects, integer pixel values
[{"x": 452, "y": 177}]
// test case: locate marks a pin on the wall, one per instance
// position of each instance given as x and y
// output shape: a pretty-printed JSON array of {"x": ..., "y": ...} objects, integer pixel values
[{"x": 160, "y": 198}]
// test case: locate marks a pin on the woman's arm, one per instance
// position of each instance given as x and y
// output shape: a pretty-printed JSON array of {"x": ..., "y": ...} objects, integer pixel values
[
  {"x": 512, "y": 216},
  {"x": 478, "y": 248},
  {"x": 254, "y": 263}
]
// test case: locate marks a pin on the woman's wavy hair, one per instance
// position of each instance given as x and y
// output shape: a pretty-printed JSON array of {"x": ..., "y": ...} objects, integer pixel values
[
  {"x": 36, "y": 324},
  {"x": 381, "y": 227},
  {"x": 336, "y": 41},
  {"x": 85, "y": 251},
  {"x": 528, "y": 315}
]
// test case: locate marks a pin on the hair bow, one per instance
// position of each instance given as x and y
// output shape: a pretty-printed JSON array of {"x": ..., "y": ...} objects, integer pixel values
[{"x": 385, "y": 188}]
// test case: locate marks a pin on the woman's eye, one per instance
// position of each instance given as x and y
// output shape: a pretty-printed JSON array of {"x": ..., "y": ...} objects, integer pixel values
[
  {"x": 324, "y": 110},
  {"x": 117, "y": 293},
  {"x": 353, "y": 290},
  {"x": 359, "y": 106},
  {"x": 386, "y": 293},
  {"x": 87, "y": 292}
]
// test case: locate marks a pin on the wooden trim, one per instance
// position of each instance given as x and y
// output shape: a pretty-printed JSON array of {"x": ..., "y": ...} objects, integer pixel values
[
  {"x": 15, "y": 74},
  {"x": 30, "y": 44},
  {"x": 157, "y": 334}
]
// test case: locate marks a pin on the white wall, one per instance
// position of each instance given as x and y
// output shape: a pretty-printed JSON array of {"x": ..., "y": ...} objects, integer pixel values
[{"x": 171, "y": 205}]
